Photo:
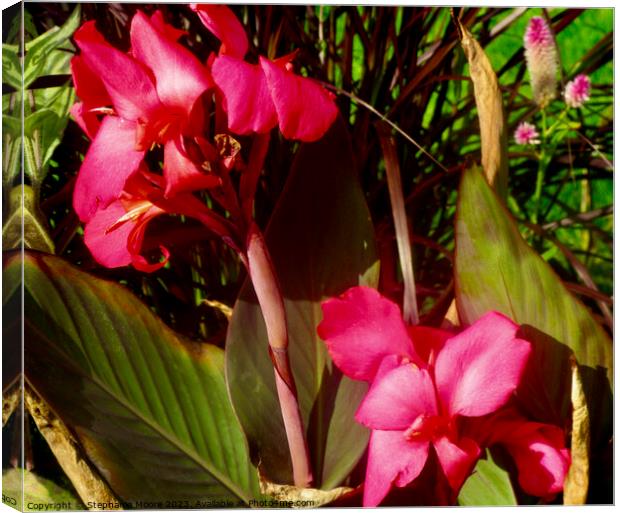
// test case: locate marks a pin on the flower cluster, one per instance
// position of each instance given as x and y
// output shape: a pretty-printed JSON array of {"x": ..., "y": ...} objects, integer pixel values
[
  {"x": 577, "y": 91},
  {"x": 542, "y": 60},
  {"x": 433, "y": 391},
  {"x": 152, "y": 96},
  {"x": 526, "y": 133}
]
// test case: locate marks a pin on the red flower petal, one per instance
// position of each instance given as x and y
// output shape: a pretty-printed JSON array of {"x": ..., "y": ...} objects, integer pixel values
[
  {"x": 427, "y": 340},
  {"x": 398, "y": 398},
  {"x": 391, "y": 460},
  {"x": 110, "y": 160},
  {"x": 181, "y": 174},
  {"x": 109, "y": 248},
  {"x": 457, "y": 461},
  {"x": 539, "y": 450},
  {"x": 224, "y": 25},
  {"x": 172, "y": 33},
  {"x": 305, "y": 109},
  {"x": 86, "y": 119},
  {"x": 478, "y": 369},
  {"x": 127, "y": 82},
  {"x": 88, "y": 86},
  {"x": 248, "y": 100},
  {"x": 360, "y": 329},
  {"x": 180, "y": 77},
  {"x": 541, "y": 457}
]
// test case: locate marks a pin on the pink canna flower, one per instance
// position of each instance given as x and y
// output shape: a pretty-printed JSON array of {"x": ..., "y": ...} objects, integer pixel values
[
  {"x": 430, "y": 388},
  {"x": 542, "y": 60},
  {"x": 260, "y": 96},
  {"x": 151, "y": 94},
  {"x": 115, "y": 234},
  {"x": 526, "y": 133},
  {"x": 577, "y": 91}
]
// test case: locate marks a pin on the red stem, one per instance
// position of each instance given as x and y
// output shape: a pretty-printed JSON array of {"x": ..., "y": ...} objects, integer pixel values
[
  {"x": 269, "y": 295},
  {"x": 249, "y": 179}
]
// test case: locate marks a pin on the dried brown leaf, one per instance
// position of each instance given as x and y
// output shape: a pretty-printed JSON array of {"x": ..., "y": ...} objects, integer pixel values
[
  {"x": 88, "y": 484},
  {"x": 10, "y": 400},
  {"x": 493, "y": 135},
  {"x": 577, "y": 481},
  {"x": 299, "y": 498}
]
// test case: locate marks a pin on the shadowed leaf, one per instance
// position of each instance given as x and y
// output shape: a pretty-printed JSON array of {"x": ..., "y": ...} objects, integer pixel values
[
  {"x": 321, "y": 241},
  {"x": 497, "y": 270}
]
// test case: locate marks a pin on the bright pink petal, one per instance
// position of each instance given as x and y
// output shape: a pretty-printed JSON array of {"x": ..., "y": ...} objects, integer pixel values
[
  {"x": 224, "y": 25},
  {"x": 478, "y": 369},
  {"x": 457, "y": 461},
  {"x": 180, "y": 77},
  {"x": 360, "y": 328},
  {"x": 109, "y": 246},
  {"x": 248, "y": 100},
  {"x": 397, "y": 399},
  {"x": 110, "y": 160},
  {"x": 127, "y": 82},
  {"x": 542, "y": 460},
  {"x": 391, "y": 460},
  {"x": 305, "y": 109},
  {"x": 181, "y": 174}
]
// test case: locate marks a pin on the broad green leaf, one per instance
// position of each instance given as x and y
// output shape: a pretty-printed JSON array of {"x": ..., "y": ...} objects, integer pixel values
[
  {"x": 41, "y": 59},
  {"x": 39, "y": 493},
  {"x": 497, "y": 270},
  {"x": 151, "y": 411},
  {"x": 489, "y": 485},
  {"x": 321, "y": 240}
]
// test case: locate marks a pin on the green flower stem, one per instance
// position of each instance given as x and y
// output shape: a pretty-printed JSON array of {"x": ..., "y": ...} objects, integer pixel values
[
  {"x": 262, "y": 274},
  {"x": 542, "y": 167}
]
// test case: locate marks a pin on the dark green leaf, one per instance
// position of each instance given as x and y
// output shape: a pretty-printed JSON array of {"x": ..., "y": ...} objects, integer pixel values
[
  {"x": 321, "y": 241},
  {"x": 151, "y": 411},
  {"x": 489, "y": 485},
  {"x": 497, "y": 270}
]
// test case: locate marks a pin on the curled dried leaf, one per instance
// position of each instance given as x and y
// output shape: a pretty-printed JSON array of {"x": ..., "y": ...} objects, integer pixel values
[
  {"x": 493, "y": 135},
  {"x": 577, "y": 480},
  {"x": 300, "y": 498},
  {"x": 88, "y": 484},
  {"x": 10, "y": 400}
]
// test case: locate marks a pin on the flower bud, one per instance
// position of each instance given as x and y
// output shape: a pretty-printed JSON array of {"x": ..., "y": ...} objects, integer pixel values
[{"x": 542, "y": 60}]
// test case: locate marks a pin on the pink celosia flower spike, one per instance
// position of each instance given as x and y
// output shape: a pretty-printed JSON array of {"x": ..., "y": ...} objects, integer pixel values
[
  {"x": 577, "y": 91},
  {"x": 542, "y": 60},
  {"x": 526, "y": 134}
]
